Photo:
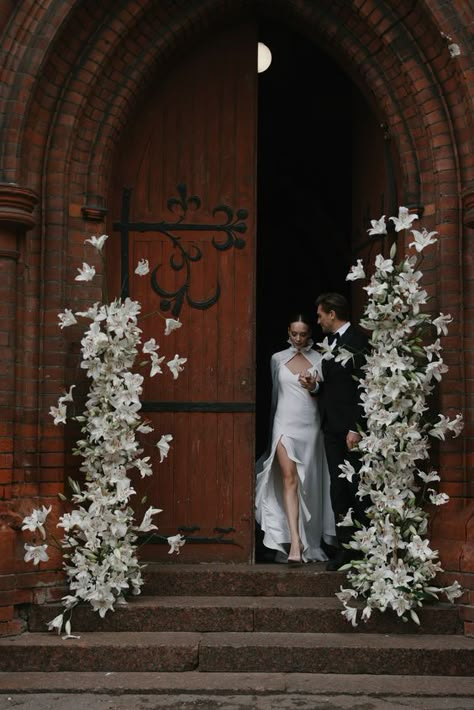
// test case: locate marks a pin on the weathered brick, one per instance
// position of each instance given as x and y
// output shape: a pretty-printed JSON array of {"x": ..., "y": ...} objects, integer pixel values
[{"x": 67, "y": 108}]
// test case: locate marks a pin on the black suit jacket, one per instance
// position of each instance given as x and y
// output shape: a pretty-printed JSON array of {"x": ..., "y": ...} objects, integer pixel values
[{"x": 339, "y": 393}]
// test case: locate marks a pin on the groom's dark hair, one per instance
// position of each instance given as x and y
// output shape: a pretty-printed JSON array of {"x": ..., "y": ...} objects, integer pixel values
[{"x": 334, "y": 302}]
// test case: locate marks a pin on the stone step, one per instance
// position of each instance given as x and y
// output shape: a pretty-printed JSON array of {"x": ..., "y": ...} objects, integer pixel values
[
  {"x": 268, "y": 580},
  {"x": 195, "y": 684},
  {"x": 264, "y": 652},
  {"x": 206, "y": 614}
]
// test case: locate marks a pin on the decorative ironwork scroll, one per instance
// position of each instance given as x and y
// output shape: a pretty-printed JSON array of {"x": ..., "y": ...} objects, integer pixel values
[
  {"x": 214, "y": 407},
  {"x": 188, "y": 533},
  {"x": 227, "y": 234}
]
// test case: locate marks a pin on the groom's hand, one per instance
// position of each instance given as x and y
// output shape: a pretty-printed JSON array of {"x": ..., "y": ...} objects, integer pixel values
[{"x": 352, "y": 439}]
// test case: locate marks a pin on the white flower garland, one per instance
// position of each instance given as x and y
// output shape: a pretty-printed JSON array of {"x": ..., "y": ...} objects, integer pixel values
[
  {"x": 100, "y": 534},
  {"x": 395, "y": 564}
]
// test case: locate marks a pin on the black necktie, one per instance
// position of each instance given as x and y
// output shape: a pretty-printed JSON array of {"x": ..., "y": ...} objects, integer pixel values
[{"x": 333, "y": 338}]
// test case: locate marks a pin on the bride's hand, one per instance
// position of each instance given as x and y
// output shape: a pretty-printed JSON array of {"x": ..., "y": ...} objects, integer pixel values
[{"x": 307, "y": 380}]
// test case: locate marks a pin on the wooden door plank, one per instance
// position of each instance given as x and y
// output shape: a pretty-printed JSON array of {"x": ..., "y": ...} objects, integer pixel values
[{"x": 197, "y": 129}]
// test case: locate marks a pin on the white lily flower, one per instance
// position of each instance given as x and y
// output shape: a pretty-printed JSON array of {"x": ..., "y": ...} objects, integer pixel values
[
  {"x": 143, "y": 466},
  {"x": 422, "y": 239},
  {"x": 36, "y": 520},
  {"x": 86, "y": 273},
  {"x": 377, "y": 290},
  {"x": 36, "y": 553},
  {"x": 356, "y": 272},
  {"x": 70, "y": 520},
  {"x": 454, "y": 591},
  {"x": 429, "y": 477},
  {"x": 102, "y": 600},
  {"x": 156, "y": 364},
  {"x": 433, "y": 350},
  {"x": 420, "y": 549},
  {"x": 343, "y": 356},
  {"x": 97, "y": 242},
  {"x": 441, "y": 323},
  {"x": 176, "y": 365},
  {"x": 401, "y": 605},
  {"x": 150, "y": 346},
  {"x": 345, "y": 595},
  {"x": 347, "y": 521},
  {"x": 142, "y": 268},
  {"x": 66, "y": 319},
  {"x": 438, "y": 498},
  {"x": 350, "y": 613},
  {"x": 172, "y": 324},
  {"x": 91, "y": 312},
  {"x": 404, "y": 219},
  {"x": 56, "y": 623},
  {"x": 384, "y": 265},
  {"x": 325, "y": 349},
  {"x": 147, "y": 525},
  {"x": 163, "y": 446},
  {"x": 59, "y": 414},
  {"x": 347, "y": 470},
  {"x": 456, "y": 425},
  {"x": 441, "y": 427},
  {"x": 378, "y": 226},
  {"x": 67, "y": 396},
  {"x": 145, "y": 428},
  {"x": 175, "y": 542}
]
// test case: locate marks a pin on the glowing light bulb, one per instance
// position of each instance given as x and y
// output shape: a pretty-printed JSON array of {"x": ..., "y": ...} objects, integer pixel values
[{"x": 264, "y": 57}]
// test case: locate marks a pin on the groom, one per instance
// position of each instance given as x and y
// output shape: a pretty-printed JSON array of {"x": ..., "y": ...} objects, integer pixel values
[{"x": 341, "y": 413}]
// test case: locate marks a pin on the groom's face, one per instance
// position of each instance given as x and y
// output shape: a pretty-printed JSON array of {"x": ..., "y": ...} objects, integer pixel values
[{"x": 326, "y": 320}]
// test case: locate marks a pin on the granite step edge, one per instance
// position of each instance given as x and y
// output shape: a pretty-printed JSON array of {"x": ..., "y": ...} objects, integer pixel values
[{"x": 199, "y": 682}]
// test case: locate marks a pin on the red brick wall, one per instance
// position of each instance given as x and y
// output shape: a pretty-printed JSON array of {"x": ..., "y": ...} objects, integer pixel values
[{"x": 74, "y": 74}]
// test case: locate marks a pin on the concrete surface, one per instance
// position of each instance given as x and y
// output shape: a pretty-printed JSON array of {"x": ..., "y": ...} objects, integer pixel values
[
  {"x": 270, "y": 702},
  {"x": 232, "y": 691}
]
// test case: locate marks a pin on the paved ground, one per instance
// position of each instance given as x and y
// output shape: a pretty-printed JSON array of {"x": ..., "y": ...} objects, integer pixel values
[
  {"x": 232, "y": 691},
  {"x": 229, "y": 702},
  {"x": 271, "y": 702}
]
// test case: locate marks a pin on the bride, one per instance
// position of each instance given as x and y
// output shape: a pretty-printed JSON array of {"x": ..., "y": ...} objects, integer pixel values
[{"x": 293, "y": 506}]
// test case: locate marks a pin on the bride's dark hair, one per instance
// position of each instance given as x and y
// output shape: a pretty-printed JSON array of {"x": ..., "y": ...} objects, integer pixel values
[{"x": 300, "y": 318}]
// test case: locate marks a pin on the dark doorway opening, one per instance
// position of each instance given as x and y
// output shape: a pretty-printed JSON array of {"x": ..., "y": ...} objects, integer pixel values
[
  {"x": 304, "y": 190},
  {"x": 303, "y": 194}
]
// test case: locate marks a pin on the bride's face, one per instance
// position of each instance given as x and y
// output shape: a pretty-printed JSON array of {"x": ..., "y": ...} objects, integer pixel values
[{"x": 299, "y": 334}]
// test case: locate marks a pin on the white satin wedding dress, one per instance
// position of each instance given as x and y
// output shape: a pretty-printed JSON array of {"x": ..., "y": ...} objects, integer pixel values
[{"x": 296, "y": 422}]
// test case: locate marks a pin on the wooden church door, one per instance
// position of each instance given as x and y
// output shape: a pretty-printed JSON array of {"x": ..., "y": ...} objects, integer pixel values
[{"x": 188, "y": 163}]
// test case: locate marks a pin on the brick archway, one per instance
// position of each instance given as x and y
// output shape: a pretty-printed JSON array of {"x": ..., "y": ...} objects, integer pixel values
[{"x": 78, "y": 68}]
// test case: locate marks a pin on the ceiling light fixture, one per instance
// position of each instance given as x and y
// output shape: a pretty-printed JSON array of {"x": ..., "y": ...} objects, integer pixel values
[{"x": 264, "y": 57}]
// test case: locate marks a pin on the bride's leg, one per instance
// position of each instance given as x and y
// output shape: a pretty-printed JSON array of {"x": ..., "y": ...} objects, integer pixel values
[{"x": 290, "y": 499}]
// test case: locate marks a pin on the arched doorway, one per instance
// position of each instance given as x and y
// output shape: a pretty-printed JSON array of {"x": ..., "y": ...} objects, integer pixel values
[{"x": 199, "y": 153}]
